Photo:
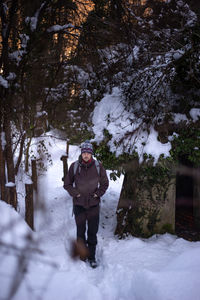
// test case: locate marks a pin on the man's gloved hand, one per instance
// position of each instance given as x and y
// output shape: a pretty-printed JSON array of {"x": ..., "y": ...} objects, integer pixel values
[{"x": 95, "y": 196}]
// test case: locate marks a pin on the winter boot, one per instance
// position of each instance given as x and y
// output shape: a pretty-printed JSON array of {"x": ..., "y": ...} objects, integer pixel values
[{"x": 93, "y": 263}]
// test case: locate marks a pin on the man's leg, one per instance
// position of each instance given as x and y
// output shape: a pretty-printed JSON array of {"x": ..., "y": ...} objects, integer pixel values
[
  {"x": 93, "y": 225},
  {"x": 80, "y": 218}
]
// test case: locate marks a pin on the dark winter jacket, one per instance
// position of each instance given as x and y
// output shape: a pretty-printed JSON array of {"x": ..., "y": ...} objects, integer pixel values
[{"x": 86, "y": 182}]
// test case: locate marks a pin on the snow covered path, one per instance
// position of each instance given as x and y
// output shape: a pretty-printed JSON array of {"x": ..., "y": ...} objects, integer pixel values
[
  {"x": 129, "y": 269},
  {"x": 160, "y": 268}
]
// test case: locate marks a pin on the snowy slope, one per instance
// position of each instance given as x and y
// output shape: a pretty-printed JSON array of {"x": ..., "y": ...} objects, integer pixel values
[{"x": 163, "y": 267}]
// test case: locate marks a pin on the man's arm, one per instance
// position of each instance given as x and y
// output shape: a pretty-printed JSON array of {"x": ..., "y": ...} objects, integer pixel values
[
  {"x": 68, "y": 182},
  {"x": 104, "y": 182}
]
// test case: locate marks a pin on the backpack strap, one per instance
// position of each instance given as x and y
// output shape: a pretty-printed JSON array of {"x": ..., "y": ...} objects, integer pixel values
[
  {"x": 97, "y": 166},
  {"x": 76, "y": 164}
]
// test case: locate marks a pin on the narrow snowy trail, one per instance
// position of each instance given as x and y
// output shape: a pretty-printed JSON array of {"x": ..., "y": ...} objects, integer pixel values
[
  {"x": 162, "y": 267},
  {"x": 129, "y": 269},
  {"x": 57, "y": 228}
]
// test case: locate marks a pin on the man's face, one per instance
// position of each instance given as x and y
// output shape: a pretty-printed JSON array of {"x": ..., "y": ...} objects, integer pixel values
[{"x": 86, "y": 156}]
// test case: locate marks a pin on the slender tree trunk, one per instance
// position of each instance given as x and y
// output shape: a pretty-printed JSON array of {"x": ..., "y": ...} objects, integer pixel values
[
  {"x": 20, "y": 153},
  {"x": 11, "y": 195},
  {"x": 29, "y": 214},
  {"x": 2, "y": 170},
  {"x": 7, "y": 20},
  {"x": 34, "y": 173},
  {"x": 27, "y": 155},
  {"x": 8, "y": 150}
]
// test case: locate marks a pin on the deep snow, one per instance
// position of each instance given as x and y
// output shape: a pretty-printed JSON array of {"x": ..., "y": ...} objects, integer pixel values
[
  {"x": 128, "y": 132},
  {"x": 163, "y": 267}
]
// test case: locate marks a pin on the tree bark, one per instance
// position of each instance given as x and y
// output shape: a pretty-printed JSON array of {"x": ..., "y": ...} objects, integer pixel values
[
  {"x": 8, "y": 150},
  {"x": 29, "y": 209},
  {"x": 7, "y": 22},
  {"x": 11, "y": 196},
  {"x": 20, "y": 153},
  {"x": 34, "y": 174},
  {"x": 27, "y": 155},
  {"x": 2, "y": 170}
]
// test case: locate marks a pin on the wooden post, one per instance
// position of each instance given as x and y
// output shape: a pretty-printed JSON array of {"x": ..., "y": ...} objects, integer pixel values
[
  {"x": 67, "y": 148},
  {"x": 65, "y": 163},
  {"x": 11, "y": 195},
  {"x": 34, "y": 174},
  {"x": 29, "y": 209}
]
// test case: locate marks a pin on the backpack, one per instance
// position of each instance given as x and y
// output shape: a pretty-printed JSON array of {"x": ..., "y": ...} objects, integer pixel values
[{"x": 77, "y": 166}]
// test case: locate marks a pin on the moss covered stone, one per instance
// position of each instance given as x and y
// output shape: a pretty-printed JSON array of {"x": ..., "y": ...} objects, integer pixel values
[{"x": 147, "y": 199}]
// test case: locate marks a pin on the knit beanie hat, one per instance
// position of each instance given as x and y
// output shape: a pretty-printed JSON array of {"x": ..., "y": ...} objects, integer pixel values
[{"x": 86, "y": 147}]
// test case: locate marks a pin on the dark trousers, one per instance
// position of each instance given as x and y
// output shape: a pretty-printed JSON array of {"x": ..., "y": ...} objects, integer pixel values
[{"x": 89, "y": 217}]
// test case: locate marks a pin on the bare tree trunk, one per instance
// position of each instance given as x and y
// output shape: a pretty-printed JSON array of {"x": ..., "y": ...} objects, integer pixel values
[
  {"x": 20, "y": 153},
  {"x": 11, "y": 195},
  {"x": 7, "y": 20},
  {"x": 29, "y": 213},
  {"x": 27, "y": 154},
  {"x": 8, "y": 150},
  {"x": 34, "y": 174},
  {"x": 2, "y": 170}
]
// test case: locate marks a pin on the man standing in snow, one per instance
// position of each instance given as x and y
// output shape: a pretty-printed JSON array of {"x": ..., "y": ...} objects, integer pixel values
[{"x": 86, "y": 182}]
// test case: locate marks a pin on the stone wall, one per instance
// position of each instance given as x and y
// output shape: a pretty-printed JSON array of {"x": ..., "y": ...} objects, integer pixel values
[{"x": 147, "y": 201}]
